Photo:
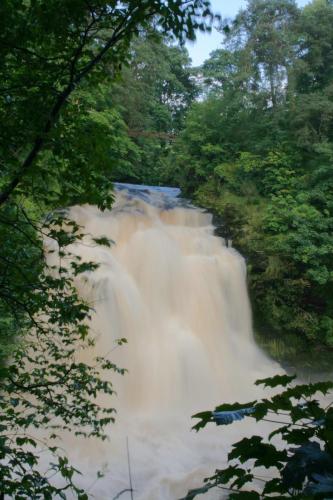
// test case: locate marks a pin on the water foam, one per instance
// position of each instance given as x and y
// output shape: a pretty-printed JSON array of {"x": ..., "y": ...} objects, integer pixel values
[{"x": 178, "y": 295}]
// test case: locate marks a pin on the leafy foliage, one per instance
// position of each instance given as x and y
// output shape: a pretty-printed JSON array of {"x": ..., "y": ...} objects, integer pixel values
[
  {"x": 60, "y": 141},
  {"x": 152, "y": 94},
  {"x": 45, "y": 385},
  {"x": 300, "y": 466},
  {"x": 257, "y": 150}
]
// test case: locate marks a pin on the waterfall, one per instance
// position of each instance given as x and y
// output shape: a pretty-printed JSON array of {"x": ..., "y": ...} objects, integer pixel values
[{"x": 178, "y": 295}]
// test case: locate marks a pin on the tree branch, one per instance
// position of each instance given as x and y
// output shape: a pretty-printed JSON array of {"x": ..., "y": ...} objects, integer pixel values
[{"x": 63, "y": 96}]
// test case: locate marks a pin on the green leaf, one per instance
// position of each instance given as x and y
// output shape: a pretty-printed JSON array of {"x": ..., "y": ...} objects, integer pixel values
[
  {"x": 198, "y": 491},
  {"x": 245, "y": 495},
  {"x": 228, "y": 417},
  {"x": 264, "y": 454},
  {"x": 277, "y": 380},
  {"x": 104, "y": 241}
]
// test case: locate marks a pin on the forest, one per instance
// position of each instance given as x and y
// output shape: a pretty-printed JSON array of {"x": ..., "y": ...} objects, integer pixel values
[
  {"x": 97, "y": 92},
  {"x": 250, "y": 137}
]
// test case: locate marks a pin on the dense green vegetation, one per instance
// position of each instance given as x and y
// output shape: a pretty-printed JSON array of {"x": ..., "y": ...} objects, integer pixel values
[
  {"x": 60, "y": 140},
  {"x": 152, "y": 95},
  {"x": 258, "y": 150},
  {"x": 249, "y": 135}
]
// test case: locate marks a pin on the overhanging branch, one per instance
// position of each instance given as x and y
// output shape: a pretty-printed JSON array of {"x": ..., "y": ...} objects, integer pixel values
[{"x": 74, "y": 80}]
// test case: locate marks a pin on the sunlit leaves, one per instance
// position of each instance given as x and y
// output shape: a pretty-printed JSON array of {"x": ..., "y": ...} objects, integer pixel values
[
  {"x": 228, "y": 417},
  {"x": 224, "y": 414}
]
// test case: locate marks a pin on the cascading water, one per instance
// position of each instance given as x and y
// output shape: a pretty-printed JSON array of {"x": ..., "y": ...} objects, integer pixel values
[{"x": 178, "y": 295}]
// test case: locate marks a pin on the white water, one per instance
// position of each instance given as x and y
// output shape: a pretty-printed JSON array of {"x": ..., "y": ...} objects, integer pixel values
[{"x": 178, "y": 295}]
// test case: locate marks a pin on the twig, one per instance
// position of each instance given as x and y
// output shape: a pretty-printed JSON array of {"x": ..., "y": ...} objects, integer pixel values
[
  {"x": 120, "y": 493},
  {"x": 129, "y": 469}
]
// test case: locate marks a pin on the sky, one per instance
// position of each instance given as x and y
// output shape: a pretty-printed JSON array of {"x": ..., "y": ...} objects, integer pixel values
[{"x": 206, "y": 43}]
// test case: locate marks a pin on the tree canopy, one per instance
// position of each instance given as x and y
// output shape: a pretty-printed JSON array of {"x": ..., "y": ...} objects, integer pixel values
[
  {"x": 257, "y": 149},
  {"x": 59, "y": 142}
]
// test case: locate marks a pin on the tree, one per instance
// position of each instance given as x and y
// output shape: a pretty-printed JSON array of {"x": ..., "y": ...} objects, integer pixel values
[
  {"x": 311, "y": 108},
  {"x": 265, "y": 31},
  {"x": 153, "y": 94},
  {"x": 59, "y": 142},
  {"x": 49, "y": 48},
  {"x": 265, "y": 167}
]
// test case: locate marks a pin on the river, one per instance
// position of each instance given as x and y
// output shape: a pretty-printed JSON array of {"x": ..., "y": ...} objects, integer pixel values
[{"x": 178, "y": 295}]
